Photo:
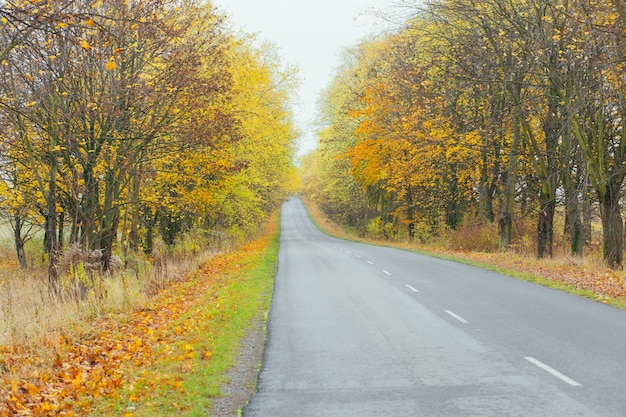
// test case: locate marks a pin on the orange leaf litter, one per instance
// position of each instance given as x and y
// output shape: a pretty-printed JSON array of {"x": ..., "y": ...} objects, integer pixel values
[{"x": 98, "y": 364}]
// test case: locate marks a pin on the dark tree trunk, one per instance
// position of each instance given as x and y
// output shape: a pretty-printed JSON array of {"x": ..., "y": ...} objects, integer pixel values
[
  {"x": 587, "y": 213},
  {"x": 485, "y": 191},
  {"x": 613, "y": 231},
  {"x": 577, "y": 237},
  {"x": 150, "y": 224},
  {"x": 573, "y": 223},
  {"x": 454, "y": 213},
  {"x": 19, "y": 241},
  {"x": 61, "y": 223},
  {"x": 505, "y": 220},
  {"x": 410, "y": 215},
  {"x": 89, "y": 209},
  {"x": 505, "y": 226},
  {"x": 549, "y": 177},
  {"x": 110, "y": 219},
  {"x": 545, "y": 225},
  {"x": 51, "y": 233}
]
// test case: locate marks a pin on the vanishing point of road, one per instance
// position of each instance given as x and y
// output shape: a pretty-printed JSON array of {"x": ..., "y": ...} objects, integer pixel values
[{"x": 360, "y": 330}]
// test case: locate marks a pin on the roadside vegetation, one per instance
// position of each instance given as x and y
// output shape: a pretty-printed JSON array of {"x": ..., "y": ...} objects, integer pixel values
[
  {"x": 496, "y": 125},
  {"x": 144, "y": 147},
  {"x": 165, "y": 355}
]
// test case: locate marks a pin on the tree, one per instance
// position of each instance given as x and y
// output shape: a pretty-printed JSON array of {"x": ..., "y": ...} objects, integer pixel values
[{"x": 103, "y": 102}]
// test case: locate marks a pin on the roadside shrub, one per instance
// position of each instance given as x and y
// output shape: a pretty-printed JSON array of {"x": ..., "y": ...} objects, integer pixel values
[
  {"x": 475, "y": 234},
  {"x": 377, "y": 228}
]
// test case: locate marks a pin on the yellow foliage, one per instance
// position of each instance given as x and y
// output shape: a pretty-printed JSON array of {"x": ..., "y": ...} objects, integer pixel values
[{"x": 84, "y": 44}]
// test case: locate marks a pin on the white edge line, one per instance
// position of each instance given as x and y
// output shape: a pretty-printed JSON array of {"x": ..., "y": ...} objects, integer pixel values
[
  {"x": 386, "y": 272},
  {"x": 412, "y": 288},
  {"x": 456, "y": 316},
  {"x": 552, "y": 371}
]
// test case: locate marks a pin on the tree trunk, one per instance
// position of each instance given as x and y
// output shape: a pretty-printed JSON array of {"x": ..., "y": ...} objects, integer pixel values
[
  {"x": 51, "y": 232},
  {"x": 454, "y": 213},
  {"x": 587, "y": 213},
  {"x": 89, "y": 209},
  {"x": 410, "y": 214},
  {"x": 545, "y": 223},
  {"x": 19, "y": 241},
  {"x": 485, "y": 190},
  {"x": 613, "y": 231},
  {"x": 110, "y": 218},
  {"x": 150, "y": 223},
  {"x": 573, "y": 223},
  {"x": 61, "y": 231},
  {"x": 577, "y": 236},
  {"x": 505, "y": 220},
  {"x": 550, "y": 180}
]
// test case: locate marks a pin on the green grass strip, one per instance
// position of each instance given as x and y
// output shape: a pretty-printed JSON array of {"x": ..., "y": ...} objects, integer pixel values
[{"x": 191, "y": 370}]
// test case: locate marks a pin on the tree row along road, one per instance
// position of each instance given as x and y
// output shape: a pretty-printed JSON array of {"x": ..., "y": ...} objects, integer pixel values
[{"x": 359, "y": 330}]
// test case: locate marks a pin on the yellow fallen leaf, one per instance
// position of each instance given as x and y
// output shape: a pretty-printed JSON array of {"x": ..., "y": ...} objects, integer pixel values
[{"x": 46, "y": 406}]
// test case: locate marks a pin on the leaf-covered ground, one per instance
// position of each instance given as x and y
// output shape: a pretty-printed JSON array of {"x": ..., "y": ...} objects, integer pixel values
[
  {"x": 575, "y": 275},
  {"x": 164, "y": 359}
]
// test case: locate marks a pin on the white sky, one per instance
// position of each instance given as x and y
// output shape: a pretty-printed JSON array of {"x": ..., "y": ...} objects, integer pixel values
[{"x": 308, "y": 34}]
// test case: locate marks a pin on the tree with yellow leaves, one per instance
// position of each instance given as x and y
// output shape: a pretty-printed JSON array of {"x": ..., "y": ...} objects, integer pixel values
[{"x": 126, "y": 117}]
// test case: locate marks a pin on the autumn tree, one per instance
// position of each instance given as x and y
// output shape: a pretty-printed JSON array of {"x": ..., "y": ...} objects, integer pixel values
[
  {"x": 122, "y": 115},
  {"x": 527, "y": 91},
  {"x": 600, "y": 113}
]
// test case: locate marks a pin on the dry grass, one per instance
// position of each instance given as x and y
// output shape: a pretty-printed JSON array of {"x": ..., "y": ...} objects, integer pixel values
[
  {"x": 166, "y": 357},
  {"x": 30, "y": 315}
]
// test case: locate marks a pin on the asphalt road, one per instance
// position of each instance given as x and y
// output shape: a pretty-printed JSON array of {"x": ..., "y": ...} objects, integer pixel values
[{"x": 360, "y": 330}]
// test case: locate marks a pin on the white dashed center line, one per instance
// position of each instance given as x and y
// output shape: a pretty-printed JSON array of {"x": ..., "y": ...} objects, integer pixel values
[
  {"x": 552, "y": 371},
  {"x": 456, "y": 316},
  {"x": 386, "y": 272},
  {"x": 358, "y": 256},
  {"x": 370, "y": 262},
  {"x": 412, "y": 288}
]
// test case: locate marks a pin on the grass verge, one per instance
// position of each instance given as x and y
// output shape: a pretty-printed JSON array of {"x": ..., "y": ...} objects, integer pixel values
[{"x": 167, "y": 358}]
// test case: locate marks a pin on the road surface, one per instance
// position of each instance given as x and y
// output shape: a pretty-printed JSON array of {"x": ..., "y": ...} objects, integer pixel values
[{"x": 360, "y": 330}]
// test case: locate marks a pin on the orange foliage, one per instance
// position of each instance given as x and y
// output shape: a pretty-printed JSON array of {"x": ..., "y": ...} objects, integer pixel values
[{"x": 179, "y": 325}]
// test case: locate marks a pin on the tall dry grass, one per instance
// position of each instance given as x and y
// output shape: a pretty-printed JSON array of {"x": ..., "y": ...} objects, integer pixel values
[{"x": 31, "y": 315}]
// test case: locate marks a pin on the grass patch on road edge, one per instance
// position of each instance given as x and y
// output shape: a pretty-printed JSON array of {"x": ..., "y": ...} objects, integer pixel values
[{"x": 198, "y": 346}]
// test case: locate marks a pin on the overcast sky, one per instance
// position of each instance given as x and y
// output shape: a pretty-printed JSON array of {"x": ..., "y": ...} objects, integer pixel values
[{"x": 308, "y": 35}]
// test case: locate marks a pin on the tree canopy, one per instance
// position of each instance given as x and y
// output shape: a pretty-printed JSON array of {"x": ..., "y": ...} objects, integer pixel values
[
  {"x": 126, "y": 120},
  {"x": 495, "y": 109}
]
